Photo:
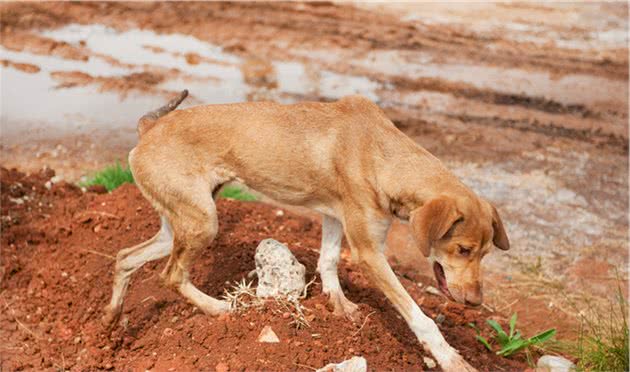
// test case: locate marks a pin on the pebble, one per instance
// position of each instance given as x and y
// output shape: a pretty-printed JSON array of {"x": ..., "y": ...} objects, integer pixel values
[
  {"x": 430, "y": 363},
  {"x": 174, "y": 319},
  {"x": 168, "y": 332},
  {"x": 267, "y": 335},
  {"x": 77, "y": 340},
  {"x": 354, "y": 364},
  {"x": 440, "y": 318},
  {"x": 432, "y": 290},
  {"x": 222, "y": 367},
  {"x": 552, "y": 363}
]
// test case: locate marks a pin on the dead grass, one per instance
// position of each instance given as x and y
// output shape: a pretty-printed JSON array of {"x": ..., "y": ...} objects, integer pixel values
[{"x": 242, "y": 297}]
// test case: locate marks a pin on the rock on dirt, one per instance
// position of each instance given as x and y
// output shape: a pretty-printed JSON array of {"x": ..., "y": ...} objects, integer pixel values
[
  {"x": 279, "y": 272},
  {"x": 354, "y": 364},
  {"x": 268, "y": 335},
  {"x": 430, "y": 363},
  {"x": 552, "y": 363}
]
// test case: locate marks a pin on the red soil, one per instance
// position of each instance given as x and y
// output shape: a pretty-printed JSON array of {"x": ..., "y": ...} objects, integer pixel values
[{"x": 57, "y": 261}]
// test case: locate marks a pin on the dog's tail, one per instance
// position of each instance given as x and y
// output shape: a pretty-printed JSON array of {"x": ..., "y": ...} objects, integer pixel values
[{"x": 148, "y": 121}]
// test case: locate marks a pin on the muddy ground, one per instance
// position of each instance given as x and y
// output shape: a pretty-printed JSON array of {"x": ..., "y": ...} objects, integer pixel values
[
  {"x": 58, "y": 249},
  {"x": 527, "y": 103}
]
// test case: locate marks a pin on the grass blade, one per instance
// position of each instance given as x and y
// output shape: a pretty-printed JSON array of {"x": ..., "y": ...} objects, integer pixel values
[
  {"x": 484, "y": 342},
  {"x": 502, "y": 337},
  {"x": 542, "y": 337},
  {"x": 512, "y": 325}
]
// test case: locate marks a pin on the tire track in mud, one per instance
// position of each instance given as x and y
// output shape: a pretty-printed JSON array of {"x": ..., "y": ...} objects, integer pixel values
[
  {"x": 490, "y": 96},
  {"x": 550, "y": 129},
  {"x": 316, "y": 24}
]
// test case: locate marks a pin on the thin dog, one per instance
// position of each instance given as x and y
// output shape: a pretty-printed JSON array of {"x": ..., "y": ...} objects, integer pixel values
[{"x": 344, "y": 159}]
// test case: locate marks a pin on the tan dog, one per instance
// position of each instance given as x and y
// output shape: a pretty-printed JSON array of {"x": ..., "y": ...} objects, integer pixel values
[{"x": 344, "y": 159}]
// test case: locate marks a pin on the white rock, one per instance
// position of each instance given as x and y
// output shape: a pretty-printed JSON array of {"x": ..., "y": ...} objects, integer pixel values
[
  {"x": 17, "y": 200},
  {"x": 430, "y": 363},
  {"x": 552, "y": 363},
  {"x": 354, "y": 364},
  {"x": 279, "y": 272},
  {"x": 268, "y": 335},
  {"x": 432, "y": 290},
  {"x": 56, "y": 179}
]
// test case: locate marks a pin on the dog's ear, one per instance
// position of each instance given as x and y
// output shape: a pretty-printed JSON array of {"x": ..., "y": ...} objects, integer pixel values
[
  {"x": 500, "y": 238},
  {"x": 432, "y": 221}
]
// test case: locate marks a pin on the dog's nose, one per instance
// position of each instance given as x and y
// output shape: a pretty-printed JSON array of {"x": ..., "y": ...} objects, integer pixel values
[
  {"x": 474, "y": 297},
  {"x": 473, "y": 303}
]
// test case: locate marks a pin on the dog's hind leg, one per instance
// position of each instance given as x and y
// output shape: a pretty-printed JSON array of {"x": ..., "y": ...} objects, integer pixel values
[
  {"x": 195, "y": 225},
  {"x": 332, "y": 233},
  {"x": 131, "y": 259}
]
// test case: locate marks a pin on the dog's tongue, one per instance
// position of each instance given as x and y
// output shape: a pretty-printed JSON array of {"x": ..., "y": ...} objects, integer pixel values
[{"x": 438, "y": 270}]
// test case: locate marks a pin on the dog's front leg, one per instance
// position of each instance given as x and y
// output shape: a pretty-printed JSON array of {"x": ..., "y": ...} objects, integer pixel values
[
  {"x": 332, "y": 233},
  {"x": 366, "y": 240}
]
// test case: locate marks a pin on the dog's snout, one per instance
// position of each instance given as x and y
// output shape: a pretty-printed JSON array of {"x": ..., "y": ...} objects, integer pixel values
[{"x": 474, "y": 296}]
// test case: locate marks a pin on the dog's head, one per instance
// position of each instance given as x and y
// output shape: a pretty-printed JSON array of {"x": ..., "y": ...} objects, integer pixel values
[{"x": 455, "y": 233}]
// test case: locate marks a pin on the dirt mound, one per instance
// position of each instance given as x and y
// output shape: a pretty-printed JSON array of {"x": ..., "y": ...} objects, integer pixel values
[{"x": 58, "y": 245}]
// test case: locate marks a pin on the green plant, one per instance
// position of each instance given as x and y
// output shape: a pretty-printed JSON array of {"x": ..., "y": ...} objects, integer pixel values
[
  {"x": 110, "y": 177},
  {"x": 235, "y": 192},
  {"x": 512, "y": 342},
  {"x": 115, "y": 175},
  {"x": 602, "y": 343}
]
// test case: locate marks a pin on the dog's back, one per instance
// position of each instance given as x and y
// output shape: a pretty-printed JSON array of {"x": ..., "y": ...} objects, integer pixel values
[{"x": 292, "y": 153}]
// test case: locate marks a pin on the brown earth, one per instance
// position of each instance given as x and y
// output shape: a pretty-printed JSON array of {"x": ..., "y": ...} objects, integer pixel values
[
  {"x": 562, "y": 130},
  {"x": 58, "y": 249}
]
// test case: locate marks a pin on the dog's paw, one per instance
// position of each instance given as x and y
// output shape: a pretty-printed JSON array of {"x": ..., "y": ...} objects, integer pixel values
[
  {"x": 344, "y": 307},
  {"x": 110, "y": 318}
]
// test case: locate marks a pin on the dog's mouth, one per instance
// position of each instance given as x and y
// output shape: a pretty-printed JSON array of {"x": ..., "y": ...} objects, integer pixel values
[{"x": 438, "y": 270}]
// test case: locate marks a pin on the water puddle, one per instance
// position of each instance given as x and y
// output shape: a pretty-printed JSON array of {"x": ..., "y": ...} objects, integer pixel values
[{"x": 35, "y": 101}]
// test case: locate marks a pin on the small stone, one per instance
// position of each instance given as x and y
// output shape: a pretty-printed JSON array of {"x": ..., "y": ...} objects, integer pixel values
[
  {"x": 268, "y": 335},
  {"x": 432, "y": 290},
  {"x": 552, "y": 363},
  {"x": 64, "y": 274},
  {"x": 168, "y": 332},
  {"x": 279, "y": 213},
  {"x": 354, "y": 364},
  {"x": 77, "y": 340},
  {"x": 222, "y": 367},
  {"x": 279, "y": 272},
  {"x": 430, "y": 363},
  {"x": 286, "y": 315},
  {"x": 174, "y": 319},
  {"x": 440, "y": 318}
]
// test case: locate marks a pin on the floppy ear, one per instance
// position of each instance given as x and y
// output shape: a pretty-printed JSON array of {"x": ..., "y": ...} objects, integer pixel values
[
  {"x": 432, "y": 221},
  {"x": 500, "y": 238}
]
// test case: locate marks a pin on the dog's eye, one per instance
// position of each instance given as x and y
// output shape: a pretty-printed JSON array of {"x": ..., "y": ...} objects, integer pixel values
[{"x": 464, "y": 251}]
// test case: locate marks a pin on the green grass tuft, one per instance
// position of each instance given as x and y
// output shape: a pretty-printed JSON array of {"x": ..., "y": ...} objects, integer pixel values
[
  {"x": 237, "y": 193},
  {"x": 115, "y": 175},
  {"x": 110, "y": 177},
  {"x": 602, "y": 343}
]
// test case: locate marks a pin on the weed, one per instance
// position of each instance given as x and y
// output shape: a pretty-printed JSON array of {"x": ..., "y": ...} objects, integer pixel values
[
  {"x": 512, "y": 342},
  {"x": 237, "y": 193},
  {"x": 602, "y": 343},
  {"x": 242, "y": 296},
  {"x": 115, "y": 175},
  {"x": 110, "y": 177}
]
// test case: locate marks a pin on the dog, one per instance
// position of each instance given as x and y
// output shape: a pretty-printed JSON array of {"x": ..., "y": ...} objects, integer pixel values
[{"x": 344, "y": 159}]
